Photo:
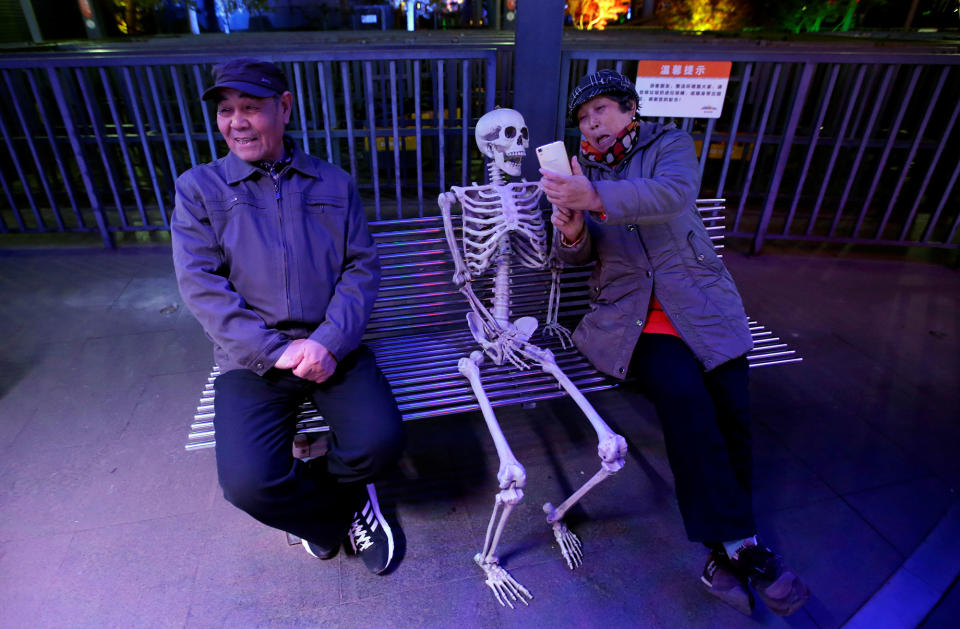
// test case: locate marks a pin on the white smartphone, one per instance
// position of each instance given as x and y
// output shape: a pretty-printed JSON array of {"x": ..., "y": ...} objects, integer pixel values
[{"x": 553, "y": 157}]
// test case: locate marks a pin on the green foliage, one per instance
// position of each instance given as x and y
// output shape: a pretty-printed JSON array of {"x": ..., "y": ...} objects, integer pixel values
[{"x": 812, "y": 16}]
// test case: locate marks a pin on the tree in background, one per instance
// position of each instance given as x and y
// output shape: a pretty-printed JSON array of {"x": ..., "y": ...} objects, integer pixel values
[
  {"x": 704, "y": 15},
  {"x": 595, "y": 14}
]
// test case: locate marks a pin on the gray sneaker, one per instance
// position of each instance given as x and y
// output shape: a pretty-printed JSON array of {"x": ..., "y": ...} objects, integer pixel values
[
  {"x": 720, "y": 580},
  {"x": 779, "y": 588}
]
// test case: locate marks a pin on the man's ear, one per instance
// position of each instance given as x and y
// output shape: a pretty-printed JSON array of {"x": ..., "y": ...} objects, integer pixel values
[{"x": 286, "y": 106}]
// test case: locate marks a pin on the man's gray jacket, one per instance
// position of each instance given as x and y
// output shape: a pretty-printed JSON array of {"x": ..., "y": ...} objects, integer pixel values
[
  {"x": 261, "y": 263},
  {"x": 652, "y": 241}
]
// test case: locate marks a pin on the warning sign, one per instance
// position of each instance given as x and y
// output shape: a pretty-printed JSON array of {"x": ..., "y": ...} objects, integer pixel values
[{"x": 682, "y": 89}]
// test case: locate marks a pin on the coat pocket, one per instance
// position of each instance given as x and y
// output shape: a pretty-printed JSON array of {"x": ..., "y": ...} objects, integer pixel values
[
  {"x": 324, "y": 204},
  {"x": 708, "y": 268}
]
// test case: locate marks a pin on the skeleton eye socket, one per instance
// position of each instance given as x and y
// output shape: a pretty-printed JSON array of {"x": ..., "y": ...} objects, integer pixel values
[
  {"x": 509, "y": 132},
  {"x": 524, "y": 133}
]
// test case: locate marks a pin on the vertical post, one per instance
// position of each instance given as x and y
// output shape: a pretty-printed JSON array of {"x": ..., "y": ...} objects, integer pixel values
[
  {"x": 31, "y": 18},
  {"x": 536, "y": 71}
]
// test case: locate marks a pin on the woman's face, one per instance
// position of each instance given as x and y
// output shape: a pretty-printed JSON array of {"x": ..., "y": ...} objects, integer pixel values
[{"x": 601, "y": 120}]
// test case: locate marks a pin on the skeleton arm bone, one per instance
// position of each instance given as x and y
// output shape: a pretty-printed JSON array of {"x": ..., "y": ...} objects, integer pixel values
[
  {"x": 552, "y": 325},
  {"x": 461, "y": 275}
]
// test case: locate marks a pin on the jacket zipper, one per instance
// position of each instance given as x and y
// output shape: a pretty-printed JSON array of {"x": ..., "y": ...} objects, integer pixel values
[{"x": 283, "y": 241}]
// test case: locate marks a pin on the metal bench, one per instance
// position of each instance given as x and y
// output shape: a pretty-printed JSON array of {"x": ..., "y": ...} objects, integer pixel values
[{"x": 418, "y": 332}]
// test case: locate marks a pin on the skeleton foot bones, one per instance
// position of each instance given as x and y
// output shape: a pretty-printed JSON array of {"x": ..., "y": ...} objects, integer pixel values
[{"x": 501, "y": 224}]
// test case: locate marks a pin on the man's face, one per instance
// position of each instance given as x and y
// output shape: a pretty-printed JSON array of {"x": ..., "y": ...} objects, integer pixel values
[
  {"x": 601, "y": 120},
  {"x": 253, "y": 127}
]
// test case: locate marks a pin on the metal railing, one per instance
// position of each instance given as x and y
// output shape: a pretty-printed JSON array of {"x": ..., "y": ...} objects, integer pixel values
[
  {"x": 95, "y": 142},
  {"x": 849, "y": 146},
  {"x": 832, "y": 143}
]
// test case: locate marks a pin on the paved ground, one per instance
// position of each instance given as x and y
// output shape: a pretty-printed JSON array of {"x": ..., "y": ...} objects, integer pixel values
[{"x": 107, "y": 521}]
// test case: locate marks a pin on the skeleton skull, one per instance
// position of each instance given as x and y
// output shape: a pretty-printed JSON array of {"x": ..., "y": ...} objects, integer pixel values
[{"x": 502, "y": 136}]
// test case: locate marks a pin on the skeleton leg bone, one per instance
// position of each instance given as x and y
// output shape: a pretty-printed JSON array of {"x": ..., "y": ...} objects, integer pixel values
[
  {"x": 611, "y": 448},
  {"x": 511, "y": 478}
]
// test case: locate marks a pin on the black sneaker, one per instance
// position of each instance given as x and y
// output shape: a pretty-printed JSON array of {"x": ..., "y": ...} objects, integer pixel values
[
  {"x": 319, "y": 551},
  {"x": 719, "y": 579},
  {"x": 780, "y": 590},
  {"x": 370, "y": 535}
]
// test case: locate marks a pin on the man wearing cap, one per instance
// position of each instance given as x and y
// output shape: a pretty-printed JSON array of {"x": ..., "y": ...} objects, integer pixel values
[
  {"x": 665, "y": 311},
  {"x": 274, "y": 259}
]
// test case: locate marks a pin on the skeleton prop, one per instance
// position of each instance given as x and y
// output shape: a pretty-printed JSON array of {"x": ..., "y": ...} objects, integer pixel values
[{"x": 501, "y": 222}]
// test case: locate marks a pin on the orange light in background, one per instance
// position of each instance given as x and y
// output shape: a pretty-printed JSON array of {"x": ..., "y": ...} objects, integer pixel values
[
  {"x": 704, "y": 15},
  {"x": 594, "y": 14}
]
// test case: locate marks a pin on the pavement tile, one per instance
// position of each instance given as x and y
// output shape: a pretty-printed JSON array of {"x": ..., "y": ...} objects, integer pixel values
[
  {"x": 458, "y": 603},
  {"x": 841, "y": 558},
  {"x": 247, "y": 573},
  {"x": 904, "y": 513},
  {"x": 126, "y": 576},
  {"x": 47, "y": 495},
  {"x": 123, "y": 485},
  {"x": 167, "y": 403},
  {"x": 27, "y": 567},
  {"x": 90, "y": 413}
]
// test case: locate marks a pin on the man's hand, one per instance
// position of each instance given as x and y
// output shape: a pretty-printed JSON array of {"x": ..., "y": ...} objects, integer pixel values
[
  {"x": 308, "y": 359},
  {"x": 574, "y": 191}
]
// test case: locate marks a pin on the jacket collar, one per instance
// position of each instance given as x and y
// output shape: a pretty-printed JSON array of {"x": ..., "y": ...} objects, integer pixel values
[{"x": 237, "y": 169}]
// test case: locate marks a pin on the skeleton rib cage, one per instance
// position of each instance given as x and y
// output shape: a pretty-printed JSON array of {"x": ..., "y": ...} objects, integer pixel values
[{"x": 494, "y": 215}]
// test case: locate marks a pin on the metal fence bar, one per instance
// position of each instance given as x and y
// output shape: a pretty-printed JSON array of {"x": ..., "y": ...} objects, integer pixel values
[
  {"x": 11, "y": 148},
  {"x": 926, "y": 180},
  {"x": 54, "y": 147},
  {"x": 395, "y": 127},
  {"x": 78, "y": 154},
  {"x": 28, "y": 137},
  {"x": 438, "y": 105},
  {"x": 124, "y": 151},
  {"x": 162, "y": 123},
  {"x": 825, "y": 99},
  {"x": 419, "y": 134},
  {"x": 16, "y": 213},
  {"x": 326, "y": 104},
  {"x": 774, "y": 81},
  {"x": 837, "y": 146},
  {"x": 799, "y": 100},
  {"x": 301, "y": 111},
  {"x": 943, "y": 202},
  {"x": 144, "y": 143},
  {"x": 372, "y": 126},
  {"x": 894, "y": 130},
  {"x": 908, "y": 162},
  {"x": 102, "y": 148},
  {"x": 348, "y": 107},
  {"x": 705, "y": 146},
  {"x": 17, "y": 217},
  {"x": 465, "y": 117},
  {"x": 875, "y": 111},
  {"x": 734, "y": 126},
  {"x": 205, "y": 112},
  {"x": 184, "y": 116}
]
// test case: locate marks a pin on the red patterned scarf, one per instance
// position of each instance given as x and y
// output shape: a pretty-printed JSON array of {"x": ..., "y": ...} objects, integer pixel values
[{"x": 617, "y": 151}]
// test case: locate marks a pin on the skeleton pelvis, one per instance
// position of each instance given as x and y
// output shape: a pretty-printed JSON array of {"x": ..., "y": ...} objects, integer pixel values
[{"x": 509, "y": 335}]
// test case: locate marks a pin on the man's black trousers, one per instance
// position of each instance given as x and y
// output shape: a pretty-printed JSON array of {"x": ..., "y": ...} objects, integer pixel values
[{"x": 255, "y": 424}]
